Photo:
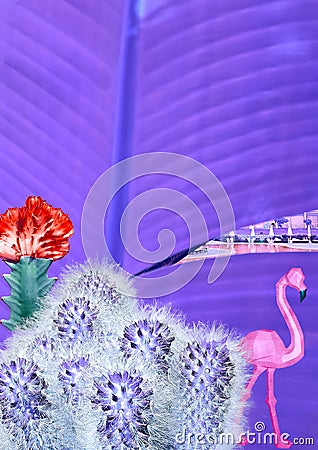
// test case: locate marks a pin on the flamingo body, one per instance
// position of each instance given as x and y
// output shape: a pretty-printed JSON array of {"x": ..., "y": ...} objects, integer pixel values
[
  {"x": 266, "y": 351},
  {"x": 265, "y": 348}
]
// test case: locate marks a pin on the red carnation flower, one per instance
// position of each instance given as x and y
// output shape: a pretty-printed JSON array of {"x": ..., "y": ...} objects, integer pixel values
[{"x": 36, "y": 229}]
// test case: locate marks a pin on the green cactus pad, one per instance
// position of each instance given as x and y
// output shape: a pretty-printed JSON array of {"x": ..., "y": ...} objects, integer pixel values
[{"x": 29, "y": 282}]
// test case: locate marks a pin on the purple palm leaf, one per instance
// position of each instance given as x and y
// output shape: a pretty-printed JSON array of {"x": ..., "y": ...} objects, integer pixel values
[
  {"x": 232, "y": 84},
  {"x": 86, "y": 84}
]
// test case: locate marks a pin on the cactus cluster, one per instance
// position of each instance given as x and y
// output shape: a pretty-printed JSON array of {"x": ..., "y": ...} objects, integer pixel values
[{"x": 97, "y": 369}]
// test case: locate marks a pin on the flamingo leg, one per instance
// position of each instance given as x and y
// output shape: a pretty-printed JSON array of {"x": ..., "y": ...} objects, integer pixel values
[
  {"x": 271, "y": 402},
  {"x": 247, "y": 393}
]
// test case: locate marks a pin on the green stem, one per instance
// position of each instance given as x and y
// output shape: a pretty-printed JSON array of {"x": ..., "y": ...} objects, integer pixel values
[{"x": 29, "y": 282}]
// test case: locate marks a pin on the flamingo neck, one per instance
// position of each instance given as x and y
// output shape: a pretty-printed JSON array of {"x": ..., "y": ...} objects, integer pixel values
[{"x": 295, "y": 350}]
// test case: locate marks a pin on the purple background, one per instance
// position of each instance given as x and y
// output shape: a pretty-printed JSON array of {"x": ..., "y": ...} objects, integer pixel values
[{"x": 233, "y": 84}]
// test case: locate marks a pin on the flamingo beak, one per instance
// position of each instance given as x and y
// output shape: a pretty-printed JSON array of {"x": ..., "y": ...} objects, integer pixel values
[{"x": 303, "y": 293}]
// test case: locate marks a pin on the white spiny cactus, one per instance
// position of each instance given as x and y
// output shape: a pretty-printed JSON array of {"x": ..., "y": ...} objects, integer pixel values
[{"x": 96, "y": 369}]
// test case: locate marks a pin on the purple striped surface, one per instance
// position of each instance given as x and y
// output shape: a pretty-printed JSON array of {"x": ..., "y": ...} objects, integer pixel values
[{"x": 230, "y": 84}]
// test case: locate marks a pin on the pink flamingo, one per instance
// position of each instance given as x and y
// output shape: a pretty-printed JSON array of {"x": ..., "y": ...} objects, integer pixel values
[{"x": 266, "y": 351}]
